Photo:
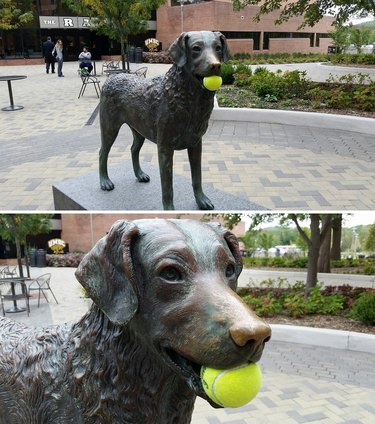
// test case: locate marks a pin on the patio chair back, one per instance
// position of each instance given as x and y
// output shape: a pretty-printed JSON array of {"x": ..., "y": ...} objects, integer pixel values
[{"x": 42, "y": 284}]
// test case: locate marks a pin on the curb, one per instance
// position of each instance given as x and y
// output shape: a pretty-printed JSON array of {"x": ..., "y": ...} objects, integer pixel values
[
  {"x": 336, "y": 339},
  {"x": 286, "y": 117}
]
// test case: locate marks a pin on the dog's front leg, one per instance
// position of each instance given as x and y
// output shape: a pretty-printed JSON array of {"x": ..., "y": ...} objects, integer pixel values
[
  {"x": 165, "y": 157},
  {"x": 195, "y": 159}
]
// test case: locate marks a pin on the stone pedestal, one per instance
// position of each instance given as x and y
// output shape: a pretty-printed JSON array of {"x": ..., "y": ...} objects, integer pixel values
[{"x": 84, "y": 193}]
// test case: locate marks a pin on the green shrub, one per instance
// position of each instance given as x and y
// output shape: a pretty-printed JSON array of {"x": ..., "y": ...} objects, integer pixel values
[
  {"x": 364, "y": 97},
  {"x": 317, "y": 303},
  {"x": 364, "y": 308},
  {"x": 264, "y": 306},
  {"x": 297, "y": 83},
  {"x": 242, "y": 75},
  {"x": 295, "y": 305},
  {"x": 369, "y": 270},
  {"x": 227, "y": 73}
]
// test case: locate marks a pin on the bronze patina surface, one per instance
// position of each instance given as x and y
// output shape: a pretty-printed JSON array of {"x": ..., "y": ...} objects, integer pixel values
[
  {"x": 171, "y": 110},
  {"x": 164, "y": 304}
]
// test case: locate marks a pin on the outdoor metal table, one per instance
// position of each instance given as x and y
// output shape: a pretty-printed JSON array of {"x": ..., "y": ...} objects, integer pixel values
[
  {"x": 9, "y": 79},
  {"x": 14, "y": 296}
]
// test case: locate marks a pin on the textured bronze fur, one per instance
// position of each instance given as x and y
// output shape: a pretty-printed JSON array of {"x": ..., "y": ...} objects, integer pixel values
[
  {"x": 163, "y": 304},
  {"x": 171, "y": 110}
]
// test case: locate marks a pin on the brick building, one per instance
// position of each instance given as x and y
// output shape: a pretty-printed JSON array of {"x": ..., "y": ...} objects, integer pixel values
[
  {"x": 52, "y": 18},
  {"x": 82, "y": 231},
  {"x": 243, "y": 34}
]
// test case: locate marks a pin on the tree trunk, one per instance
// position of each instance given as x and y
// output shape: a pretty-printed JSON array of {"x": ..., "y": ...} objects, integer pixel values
[
  {"x": 19, "y": 256},
  {"x": 125, "y": 54},
  {"x": 336, "y": 238},
  {"x": 313, "y": 254},
  {"x": 324, "y": 261},
  {"x": 26, "y": 260},
  {"x": 122, "y": 43}
]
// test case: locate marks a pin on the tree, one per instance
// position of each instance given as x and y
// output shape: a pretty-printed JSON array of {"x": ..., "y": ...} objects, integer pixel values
[
  {"x": 336, "y": 225},
  {"x": 16, "y": 227},
  {"x": 370, "y": 239},
  {"x": 312, "y": 11},
  {"x": 317, "y": 234},
  {"x": 341, "y": 38},
  {"x": 265, "y": 241},
  {"x": 249, "y": 240},
  {"x": 117, "y": 19},
  {"x": 14, "y": 14},
  {"x": 324, "y": 261},
  {"x": 359, "y": 37}
]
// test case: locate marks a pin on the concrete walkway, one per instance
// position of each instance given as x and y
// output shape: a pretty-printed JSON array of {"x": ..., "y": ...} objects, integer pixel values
[
  {"x": 302, "y": 383},
  {"x": 278, "y": 160},
  {"x": 256, "y": 276}
]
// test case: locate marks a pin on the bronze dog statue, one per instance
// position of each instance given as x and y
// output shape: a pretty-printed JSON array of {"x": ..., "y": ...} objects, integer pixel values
[
  {"x": 171, "y": 111},
  {"x": 164, "y": 304}
]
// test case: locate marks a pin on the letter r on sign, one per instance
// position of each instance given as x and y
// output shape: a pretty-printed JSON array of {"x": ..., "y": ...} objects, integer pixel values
[{"x": 68, "y": 22}]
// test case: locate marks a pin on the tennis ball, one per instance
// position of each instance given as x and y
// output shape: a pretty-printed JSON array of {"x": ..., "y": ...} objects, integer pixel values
[
  {"x": 212, "y": 83},
  {"x": 233, "y": 387}
]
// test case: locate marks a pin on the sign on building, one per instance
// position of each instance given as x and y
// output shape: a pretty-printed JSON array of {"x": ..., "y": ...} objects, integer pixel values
[{"x": 65, "y": 22}]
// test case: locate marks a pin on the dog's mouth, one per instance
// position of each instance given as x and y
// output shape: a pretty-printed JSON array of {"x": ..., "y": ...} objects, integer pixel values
[{"x": 190, "y": 372}]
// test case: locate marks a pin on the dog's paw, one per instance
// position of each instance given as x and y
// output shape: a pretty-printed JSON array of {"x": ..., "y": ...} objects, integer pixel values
[
  {"x": 107, "y": 185},
  {"x": 142, "y": 177},
  {"x": 205, "y": 203}
]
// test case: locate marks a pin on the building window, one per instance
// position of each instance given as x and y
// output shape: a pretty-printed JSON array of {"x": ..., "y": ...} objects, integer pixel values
[
  {"x": 268, "y": 35},
  {"x": 255, "y": 36}
]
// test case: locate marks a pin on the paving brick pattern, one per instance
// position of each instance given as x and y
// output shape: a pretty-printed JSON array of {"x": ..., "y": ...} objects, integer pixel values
[{"x": 273, "y": 165}]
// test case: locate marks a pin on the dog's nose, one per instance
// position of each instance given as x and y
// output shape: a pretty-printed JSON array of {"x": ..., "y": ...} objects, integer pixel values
[
  {"x": 216, "y": 67},
  {"x": 256, "y": 333}
]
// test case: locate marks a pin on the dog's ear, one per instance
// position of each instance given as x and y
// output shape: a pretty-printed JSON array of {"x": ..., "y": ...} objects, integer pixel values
[
  {"x": 178, "y": 50},
  {"x": 108, "y": 276},
  {"x": 224, "y": 46},
  {"x": 232, "y": 243}
]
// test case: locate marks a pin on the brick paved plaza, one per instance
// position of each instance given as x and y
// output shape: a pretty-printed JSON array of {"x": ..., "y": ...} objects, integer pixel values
[
  {"x": 302, "y": 383},
  {"x": 270, "y": 160}
]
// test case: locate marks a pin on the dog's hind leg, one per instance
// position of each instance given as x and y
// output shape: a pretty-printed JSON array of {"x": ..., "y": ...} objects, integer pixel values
[
  {"x": 138, "y": 141},
  {"x": 195, "y": 159},
  {"x": 109, "y": 132}
]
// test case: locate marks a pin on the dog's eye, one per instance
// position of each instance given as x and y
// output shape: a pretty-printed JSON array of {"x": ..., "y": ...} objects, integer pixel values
[
  {"x": 171, "y": 274},
  {"x": 230, "y": 271},
  {"x": 197, "y": 49},
  {"x": 218, "y": 49}
]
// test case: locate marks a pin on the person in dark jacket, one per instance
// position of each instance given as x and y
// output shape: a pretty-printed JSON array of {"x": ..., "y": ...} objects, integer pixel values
[{"x": 47, "y": 54}]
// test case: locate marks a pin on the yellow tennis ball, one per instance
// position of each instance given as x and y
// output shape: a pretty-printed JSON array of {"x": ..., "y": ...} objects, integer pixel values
[
  {"x": 233, "y": 387},
  {"x": 212, "y": 83}
]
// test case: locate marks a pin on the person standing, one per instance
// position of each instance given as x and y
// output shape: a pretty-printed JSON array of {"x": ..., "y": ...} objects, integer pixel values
[
  {"x": 48, "y": 57},
  {"x": 85, "y": 59},
  {"x": 59, "y": 57}
]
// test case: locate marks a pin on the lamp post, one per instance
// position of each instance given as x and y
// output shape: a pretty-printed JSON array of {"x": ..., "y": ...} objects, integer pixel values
[{"x": 182, "y": 2}]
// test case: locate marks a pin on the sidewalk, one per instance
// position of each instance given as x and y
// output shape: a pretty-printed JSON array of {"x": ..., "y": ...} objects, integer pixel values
[
  {"x": 278, "y": 160},
  {"x": 255, "y": 276},
  {"x": 301, "y": 383}
]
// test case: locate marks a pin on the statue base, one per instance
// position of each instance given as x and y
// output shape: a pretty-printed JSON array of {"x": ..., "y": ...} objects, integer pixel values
[{"x": 84, "y": 193}]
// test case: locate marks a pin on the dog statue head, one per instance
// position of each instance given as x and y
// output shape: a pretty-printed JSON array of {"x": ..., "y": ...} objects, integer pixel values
[
  {"x": 173, "y": 282},
  {"x": 201, "y": 51},
  {"x": 108, "y": 275}
]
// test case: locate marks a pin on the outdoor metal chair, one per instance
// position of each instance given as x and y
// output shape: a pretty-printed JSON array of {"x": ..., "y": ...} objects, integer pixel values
[
  {"x": 8, "y": 272},
  {"x": 12, "y": 291},
  {"x": 141, "y": 72},
  {"x": 42, "y": 284},
  {"x": 110, "y": 65},
  {"x": 89, "y": 79}
]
